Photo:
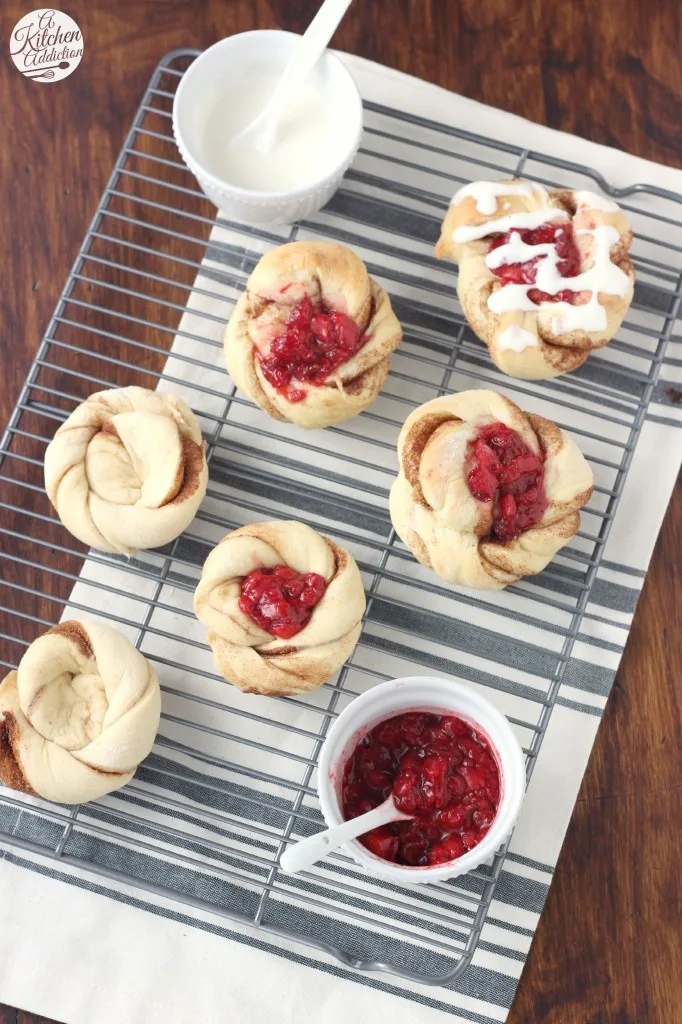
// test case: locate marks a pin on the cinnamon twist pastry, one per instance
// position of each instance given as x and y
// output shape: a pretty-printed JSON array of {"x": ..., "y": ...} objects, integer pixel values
[
  {"x": 486, "y": 493},
  {"x": 309, "y": 340},
  {"x": 283, "y": 606},
  {"x": 127, "y": 470},
  {"x": 79, "y": 714},
  {"x": 544, "y": 277}
]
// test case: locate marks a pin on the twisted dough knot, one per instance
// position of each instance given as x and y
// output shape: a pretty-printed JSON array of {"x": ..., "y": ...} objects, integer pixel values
[
  {"x": 127, "y": 470},
  {"x": 78, "y": 715},
  {"x": 533, "y": 337},
  {"x": 248, "y": 656},
  {"x": 333, "y": 279},
  {"x": 446, "y": 527}
]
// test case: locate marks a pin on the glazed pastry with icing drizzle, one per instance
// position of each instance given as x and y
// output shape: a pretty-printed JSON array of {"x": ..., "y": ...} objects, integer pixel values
[
  {"x": 544, "y": 276},
  {"x": 486, "y": 493},
  {"x": 310, "y": 339}
]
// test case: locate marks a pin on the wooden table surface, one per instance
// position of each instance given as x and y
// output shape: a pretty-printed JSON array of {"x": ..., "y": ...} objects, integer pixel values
[{"x": 609, "y": 945}]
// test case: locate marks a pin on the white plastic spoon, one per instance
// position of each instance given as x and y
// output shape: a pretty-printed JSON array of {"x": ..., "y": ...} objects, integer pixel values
[
  {"x": 262, "y": 131},
  {"x": 304, "y": 854}
]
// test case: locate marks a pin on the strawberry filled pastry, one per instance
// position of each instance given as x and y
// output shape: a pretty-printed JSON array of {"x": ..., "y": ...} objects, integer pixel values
[
  {"x": 282, "y": 605},
  {"x": 544, "y": 276},
  {"x": 310, "y": 339},
  {"x": 486, "y": 493}
]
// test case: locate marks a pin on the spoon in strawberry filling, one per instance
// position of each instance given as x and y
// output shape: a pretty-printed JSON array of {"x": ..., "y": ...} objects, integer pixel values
[
  {"x": 507, "y": 473},
  {"x": 313, "y": 344},
  {"x": 419, "y": 790}
]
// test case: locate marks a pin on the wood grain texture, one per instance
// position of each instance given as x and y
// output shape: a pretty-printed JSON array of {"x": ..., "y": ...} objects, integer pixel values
[{"x": 609, "y": 944}]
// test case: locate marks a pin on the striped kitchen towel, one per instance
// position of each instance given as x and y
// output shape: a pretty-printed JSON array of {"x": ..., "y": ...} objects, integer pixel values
[{"x": 147, "y": 912}]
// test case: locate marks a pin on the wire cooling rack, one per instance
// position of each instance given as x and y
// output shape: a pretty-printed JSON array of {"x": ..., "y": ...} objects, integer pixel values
[{"x": 231, "y": 780}]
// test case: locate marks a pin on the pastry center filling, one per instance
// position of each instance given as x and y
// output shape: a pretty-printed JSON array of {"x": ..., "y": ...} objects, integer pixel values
[
  {"x": 313, "y": 344},
  {"x": 281, "y": 600},
  {"x": 556, "y": 236},
  {"x": 439, "y": 769},
  {"x": 505, "y": 471}
]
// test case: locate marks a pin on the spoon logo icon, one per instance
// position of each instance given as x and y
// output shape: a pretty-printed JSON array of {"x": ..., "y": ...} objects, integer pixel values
[{"x": 46, "y": 45}]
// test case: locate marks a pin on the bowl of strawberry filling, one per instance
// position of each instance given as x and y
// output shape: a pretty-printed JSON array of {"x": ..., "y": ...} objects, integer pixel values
[{"x": 449, "y": 759}]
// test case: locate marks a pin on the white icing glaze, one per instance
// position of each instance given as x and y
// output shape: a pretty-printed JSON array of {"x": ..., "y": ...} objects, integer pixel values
[
  {"x": 522, "y": 221},
  {"x": 512, "y": 298},
  {"x": 517, "y": 338},
  {"x": 516, "y": 251},
  {"x": 594, "y": 201},
  {"x": 602, "y": 277},
  {"x": 486, "y": 193},
  {"x": 315, "y": 128},
  {"x": 591, "y": 316}
]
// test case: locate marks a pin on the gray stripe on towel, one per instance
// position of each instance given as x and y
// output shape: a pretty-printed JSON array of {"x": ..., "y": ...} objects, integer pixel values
[{"x": 507, "y": 987}]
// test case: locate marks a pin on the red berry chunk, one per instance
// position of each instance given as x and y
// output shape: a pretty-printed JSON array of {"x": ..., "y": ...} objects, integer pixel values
[
  {"x": 440, "y": 770},
  {"x": 559, "y": 235},
  {"x": 313, "y": 344},
  {"x": 382, "y": 842},
  {"x": 434, "y": 781},
  {"x": 450, "y": 849},
  {"x": 470, "y": 837},
  {"x": 506, "y": 472},
  {"x": 280, "y": 600}
]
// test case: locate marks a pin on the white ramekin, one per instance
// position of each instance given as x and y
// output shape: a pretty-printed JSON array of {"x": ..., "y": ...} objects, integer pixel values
[
  {"x": 209, "y": 76},
  {"x": 423, "y": 693}
]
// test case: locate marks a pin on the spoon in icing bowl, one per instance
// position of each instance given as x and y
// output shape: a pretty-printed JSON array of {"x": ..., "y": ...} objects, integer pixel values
[
  {"x": 306, "y": 853},
  {"x": 262, "y": 131}
]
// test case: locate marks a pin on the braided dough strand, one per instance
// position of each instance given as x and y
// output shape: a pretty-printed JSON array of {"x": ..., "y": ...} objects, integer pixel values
[
  {"x": 252, "y": 658},
  {"x": 79, "y": 715},
  {"x": 445, "y": 526},
  {"x": 127, "y": 470}
]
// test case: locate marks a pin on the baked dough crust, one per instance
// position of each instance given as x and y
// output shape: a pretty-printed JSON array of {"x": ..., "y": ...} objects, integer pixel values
[
  {"x": 544, "y": 348},
  {"x": 330, "y": 275},
  {"x": 127, "y": 470},
  {"x": 79, "y": 714},
  {"x": 445, "y": 527},
  {"x": 248, "y": 656}
]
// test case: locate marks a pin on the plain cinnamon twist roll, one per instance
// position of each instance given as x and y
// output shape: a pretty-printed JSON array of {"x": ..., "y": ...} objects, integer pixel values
[
  {"x": 486, "y": 493},
  {"x": 544, "y": 276},
  {"x": 79, "y": 714},
  {"x": 309, "y": 340},
  {"x": 283, "y": 606},
  {"x": 127, "y": 470}
]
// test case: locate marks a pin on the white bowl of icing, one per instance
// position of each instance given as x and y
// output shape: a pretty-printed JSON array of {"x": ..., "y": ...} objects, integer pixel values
[{"x": 225, "y": 88}]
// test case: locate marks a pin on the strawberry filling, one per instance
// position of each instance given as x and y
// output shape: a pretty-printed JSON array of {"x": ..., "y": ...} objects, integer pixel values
[
  {"x": 439, "y": 769},
  {"x": 281, "y": 600},
  {"x": 568, "y": 265},
  {"x": 505, "y": 471},
  {"x": 312, "y": 345}
]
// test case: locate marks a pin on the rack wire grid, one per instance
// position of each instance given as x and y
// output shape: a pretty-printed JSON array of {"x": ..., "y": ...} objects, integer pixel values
[{"x": 231, "y": 780}]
